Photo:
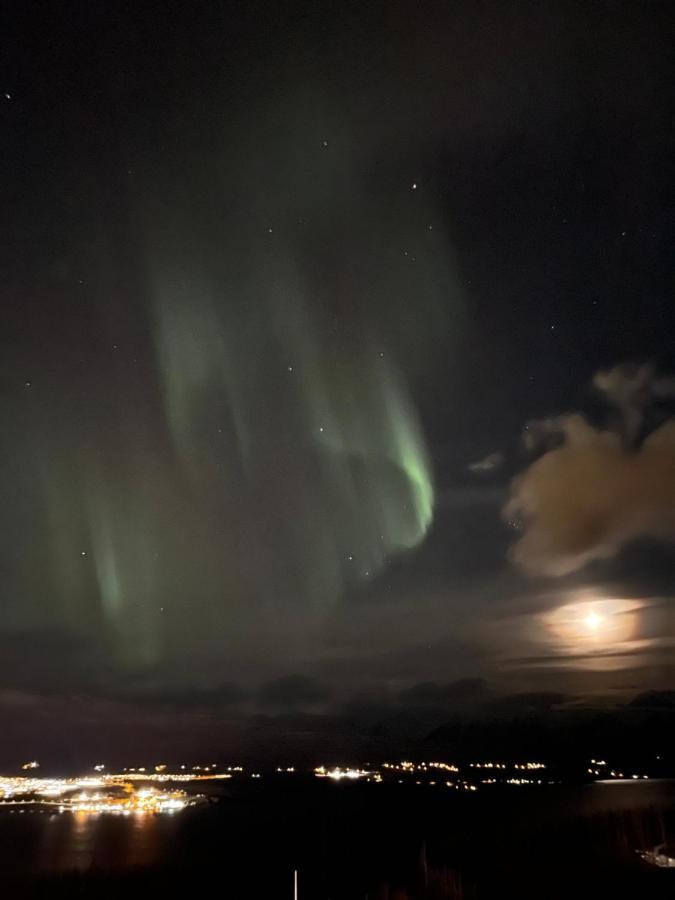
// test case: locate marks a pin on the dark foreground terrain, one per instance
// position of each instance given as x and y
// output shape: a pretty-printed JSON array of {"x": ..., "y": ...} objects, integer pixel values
[{"x": 355, "y": 841}]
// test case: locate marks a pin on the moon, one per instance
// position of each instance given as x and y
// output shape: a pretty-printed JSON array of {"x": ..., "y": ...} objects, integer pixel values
[{"x": 593, "y": 622}]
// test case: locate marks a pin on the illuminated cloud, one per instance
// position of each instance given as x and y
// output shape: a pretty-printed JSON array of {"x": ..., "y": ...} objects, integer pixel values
[
  {"x": 585, "y": 499},
  {"x": 489, "y": 463},
  {"x": 632, "y": 390},
  {"x": 591, "y": 626}
]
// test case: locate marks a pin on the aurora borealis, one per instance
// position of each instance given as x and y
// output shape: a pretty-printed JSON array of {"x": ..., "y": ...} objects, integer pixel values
[{"x": 280, "y": 293}]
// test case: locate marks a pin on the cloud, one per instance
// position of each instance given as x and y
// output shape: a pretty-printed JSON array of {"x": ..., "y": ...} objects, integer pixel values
[
  {"x": 489, "y": 463},
  {"x": 226, "y": 695},
  {"x": 294, "y": 691},
  {"x": 51, "y": 660},
  {"x": 455, "y": 693},
  {"x": 529, "y": 703},
  {"x": 654, "y": 700},
  {"x": 584, "y": 499},
  {"x": 632, "y": 390}
]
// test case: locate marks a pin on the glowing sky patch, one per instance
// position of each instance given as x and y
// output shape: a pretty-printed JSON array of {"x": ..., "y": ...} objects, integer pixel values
[{"x": 593, "y": 625}]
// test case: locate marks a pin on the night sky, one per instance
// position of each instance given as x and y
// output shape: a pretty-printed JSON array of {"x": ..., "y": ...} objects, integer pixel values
[{"x": 337, "y": 366}]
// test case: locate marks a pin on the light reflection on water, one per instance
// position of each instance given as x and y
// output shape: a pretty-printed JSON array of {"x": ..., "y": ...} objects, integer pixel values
[{"x": 81, "y": 841}]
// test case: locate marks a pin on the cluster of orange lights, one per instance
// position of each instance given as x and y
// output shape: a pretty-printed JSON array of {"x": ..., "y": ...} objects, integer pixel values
[
  {"x": 103, "y": 792},
  {"x": 600, "y": 768},
  {"x": 147, "y": 800},
  {"x": 149, "y": 790}
]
